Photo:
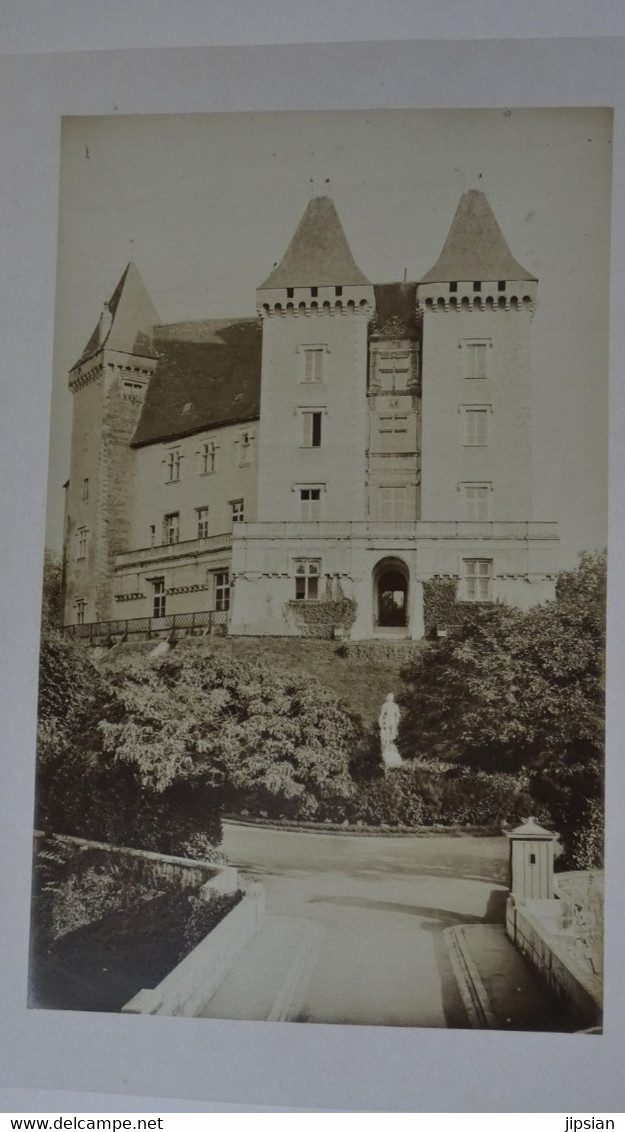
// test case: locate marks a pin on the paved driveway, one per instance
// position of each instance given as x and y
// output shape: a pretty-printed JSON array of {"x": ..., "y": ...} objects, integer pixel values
[{"x": 355, "y": 927}]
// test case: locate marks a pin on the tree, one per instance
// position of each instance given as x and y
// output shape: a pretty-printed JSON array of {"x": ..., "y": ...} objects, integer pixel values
[
  {"x": 149, "y": 753},
  {"x": 51, "y": 611},
  {"x": 510, "y": 690},
  {"x": 254, "y": 735}
]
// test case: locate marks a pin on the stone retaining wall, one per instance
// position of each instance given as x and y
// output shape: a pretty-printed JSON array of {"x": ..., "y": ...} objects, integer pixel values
[
  {"x": 189, "y": 987},
  {"x": 151, "y": 867},
  {"x": 554, "y": 956}
]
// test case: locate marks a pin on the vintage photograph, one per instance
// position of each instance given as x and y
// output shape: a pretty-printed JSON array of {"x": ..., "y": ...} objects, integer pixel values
[{"x": 321, "y": 699}]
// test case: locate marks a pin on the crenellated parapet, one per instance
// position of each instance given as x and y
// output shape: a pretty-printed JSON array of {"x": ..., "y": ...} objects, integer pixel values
[
  {"x": 308, "y": 302},
  {"x": 477, "y": 295}
]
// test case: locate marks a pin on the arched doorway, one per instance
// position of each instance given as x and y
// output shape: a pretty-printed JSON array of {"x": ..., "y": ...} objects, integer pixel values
[{"x": 391, "y": 594}]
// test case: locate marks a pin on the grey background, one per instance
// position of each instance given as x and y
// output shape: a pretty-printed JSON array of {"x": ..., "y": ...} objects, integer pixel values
[{"x": 372, "y": 1069}]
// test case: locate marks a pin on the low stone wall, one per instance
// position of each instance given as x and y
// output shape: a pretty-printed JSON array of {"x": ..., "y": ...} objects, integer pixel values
[
  {"x": 535, "y": 928},
  {"x": 190, "y": 986},
  {"x": 150, "y": 867}
]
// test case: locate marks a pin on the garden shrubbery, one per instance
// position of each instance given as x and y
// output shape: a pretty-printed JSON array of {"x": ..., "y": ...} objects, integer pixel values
[
  {"x": 149, "y": 754},
  {"x": 500, "y": 719},
  {"x": 418, "y": 795},
  {"x": 510, "y": 692}
]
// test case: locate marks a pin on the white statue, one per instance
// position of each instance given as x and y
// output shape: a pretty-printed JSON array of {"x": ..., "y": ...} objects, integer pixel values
[{"x": 389, "y": 726}]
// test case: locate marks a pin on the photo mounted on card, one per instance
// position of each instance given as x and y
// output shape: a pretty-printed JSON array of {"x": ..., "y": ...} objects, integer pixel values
[{"x": 321, "y": 714}]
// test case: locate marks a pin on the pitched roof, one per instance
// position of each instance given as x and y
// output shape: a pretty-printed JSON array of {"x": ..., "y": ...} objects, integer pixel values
[
  {"x": 318, "y": 254},
  {"x": 213, "y": 374},
  {"x": 531, "y": 829},
  {"x": 475, "y": 247},
  {"x": 126, "y": 321}
]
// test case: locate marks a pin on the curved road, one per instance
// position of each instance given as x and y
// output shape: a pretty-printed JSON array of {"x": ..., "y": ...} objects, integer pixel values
[{"x": 355, "y": 925}]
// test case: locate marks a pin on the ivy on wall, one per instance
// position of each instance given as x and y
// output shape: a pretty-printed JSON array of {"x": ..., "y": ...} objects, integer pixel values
[
  {"x": 441, "y": 608},
  {"x": 321, "y": 618}
]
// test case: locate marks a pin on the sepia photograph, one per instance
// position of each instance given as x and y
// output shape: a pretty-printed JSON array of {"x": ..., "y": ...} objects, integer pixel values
[{"x": 321, "y": 690}]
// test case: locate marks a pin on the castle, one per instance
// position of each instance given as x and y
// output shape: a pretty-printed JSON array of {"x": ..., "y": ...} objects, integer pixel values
[{"x": 306, "y": 472}]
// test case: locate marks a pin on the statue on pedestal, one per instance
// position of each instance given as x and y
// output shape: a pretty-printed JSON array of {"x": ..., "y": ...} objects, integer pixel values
[{"x": 389, "y": 726}]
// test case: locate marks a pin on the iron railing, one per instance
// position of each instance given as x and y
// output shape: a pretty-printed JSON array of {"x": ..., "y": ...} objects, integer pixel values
[
  {"x": 189, "y": 548},
  {"x": 202, "y": 619}
]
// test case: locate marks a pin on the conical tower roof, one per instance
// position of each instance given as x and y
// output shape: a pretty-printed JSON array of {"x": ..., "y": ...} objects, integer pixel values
[
  {"x": 127, "y": 320},
  {"x": 475, "y": 248},
  {"x": 318, "y": 255}
]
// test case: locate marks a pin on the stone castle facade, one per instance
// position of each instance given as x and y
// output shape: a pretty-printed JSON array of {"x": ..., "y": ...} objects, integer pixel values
[{"x": 305, "y": 472}]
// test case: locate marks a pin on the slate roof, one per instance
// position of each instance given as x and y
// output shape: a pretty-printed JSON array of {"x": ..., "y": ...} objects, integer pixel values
[
  {"x": 213, "y": 372},
  {"x": 319, "y": 254},
  {"x": 475, "y": 248},
  {"x": 132, "y": 316}
]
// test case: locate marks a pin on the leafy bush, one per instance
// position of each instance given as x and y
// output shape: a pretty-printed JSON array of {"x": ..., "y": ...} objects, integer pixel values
[
  {"x": 74, "y": 886},
  {"x": 418, "y": 795},
  {"x": 149, "y": 754},
  {"x": 509, "y": 690}
]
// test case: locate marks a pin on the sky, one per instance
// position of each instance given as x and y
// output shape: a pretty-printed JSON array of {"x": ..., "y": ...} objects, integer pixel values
[{"x": 206, "y": 204}]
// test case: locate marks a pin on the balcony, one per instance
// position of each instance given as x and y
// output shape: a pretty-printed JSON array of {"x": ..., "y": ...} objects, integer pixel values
[
  {"x": 204, "y": 620},
  {"x": 191, "y": 548},
  {"x": 419, "y": 531}
]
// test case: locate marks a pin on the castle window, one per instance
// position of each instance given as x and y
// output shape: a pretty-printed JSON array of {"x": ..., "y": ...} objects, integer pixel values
[
  {"x": 85, "y": 489},
  {"x": 132, "y": 390},
  {"x": 173, "y": 465},
  {"x": 314, "y": 291},
  {"x": 81, "y": 542},
  {"x": 501, "y": 284},
  {"x": 394, "y": 423},
  {"x": 476, "y": 501},
  {"x": 311, "y": 428},
  {"x": 222, "y": 591},
  {"x": 392, "y": 504},
  {"x": 453, "y": 287},
  {"x": 476, "y": 426},
  {"x": 393, "y": 371},
  {"x": 307, "y": 571},
  {"x": 208, "y": 457},
  {"x": 158, "y": 597},
  {"x": 478, "y": 576},
  {"x": 477, "y": 286},
  {"x": 245, "y": 448},
  {"x": 238, "y": 511},
  {"x": 476, "y": 354},
  {"x": 290, "y": 292},
  {"x": 313, "y": 363},
  {"x": 310, "y": 503},
  {"x": 171, "y": 528},
  {"x": 202, "y": 522},
  {"x": 80, "y": 606},
  {"x": 152, "y": 535},
  {"x": 338, "y": 291}
]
